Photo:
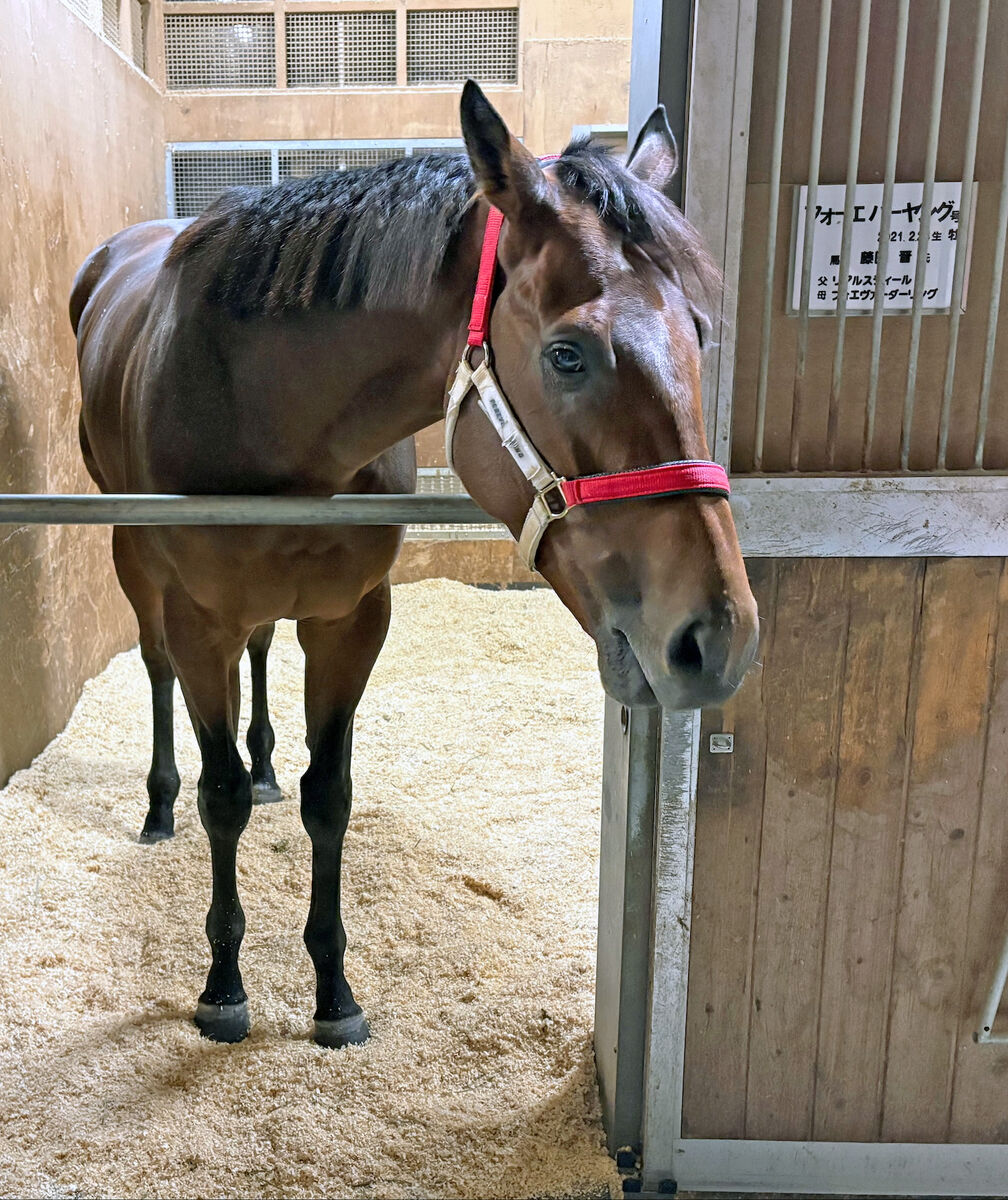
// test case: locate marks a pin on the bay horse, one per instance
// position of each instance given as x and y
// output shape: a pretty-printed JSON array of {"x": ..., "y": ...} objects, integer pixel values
[{"x": 291, "y": 340}]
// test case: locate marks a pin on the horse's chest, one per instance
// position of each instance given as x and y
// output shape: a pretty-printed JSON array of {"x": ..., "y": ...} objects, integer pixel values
[{"x": 252, "y": 576}]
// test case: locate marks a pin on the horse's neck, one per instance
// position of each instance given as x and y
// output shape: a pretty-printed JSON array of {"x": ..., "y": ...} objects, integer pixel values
[
  {"x": 324, "y": 394},
  {"x": 389, "y": 370}
]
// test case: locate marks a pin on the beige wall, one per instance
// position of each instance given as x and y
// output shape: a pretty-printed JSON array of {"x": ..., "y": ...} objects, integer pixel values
[
  {"x": 81, "y": 155},
  {"x": 574, "y": 69}
]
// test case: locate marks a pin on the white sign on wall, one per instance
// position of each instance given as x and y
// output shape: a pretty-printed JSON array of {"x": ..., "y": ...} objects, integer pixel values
[{"x": 898, "y": 270}]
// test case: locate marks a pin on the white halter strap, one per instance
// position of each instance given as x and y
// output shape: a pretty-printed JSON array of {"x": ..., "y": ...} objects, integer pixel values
[{"x": 549, "y": 504}]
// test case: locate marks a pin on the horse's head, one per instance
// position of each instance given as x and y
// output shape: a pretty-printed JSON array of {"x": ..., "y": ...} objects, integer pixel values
[{"x": 597, "y": 336}]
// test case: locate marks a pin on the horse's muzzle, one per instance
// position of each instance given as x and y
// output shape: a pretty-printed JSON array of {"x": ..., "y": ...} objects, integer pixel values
[{"x": 700, "y": 665}]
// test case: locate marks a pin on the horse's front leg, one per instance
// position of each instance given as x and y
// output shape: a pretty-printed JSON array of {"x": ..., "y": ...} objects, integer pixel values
[
  {"x": 205, "y": 654},
  {"x": 339, "y": 656},
  {"x": 260, "y": 738}
]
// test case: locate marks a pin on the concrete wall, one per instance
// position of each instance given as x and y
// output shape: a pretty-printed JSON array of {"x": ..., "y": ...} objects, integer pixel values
[{"x": 81, "y": 137}]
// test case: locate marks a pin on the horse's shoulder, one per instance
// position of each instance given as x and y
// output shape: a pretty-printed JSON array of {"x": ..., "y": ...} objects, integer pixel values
[{"x": 144, "y": 244}]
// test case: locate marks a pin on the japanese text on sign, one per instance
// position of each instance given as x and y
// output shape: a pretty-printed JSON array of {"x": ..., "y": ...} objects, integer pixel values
[{"x": 893, "y": 268}]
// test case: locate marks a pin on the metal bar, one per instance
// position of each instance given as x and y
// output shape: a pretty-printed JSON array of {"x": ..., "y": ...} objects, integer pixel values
[
  {"x": 892, "y": 146},
  {"x": 325, "y": 144},
  {"x": 773, "y": 216},
  {"x": 853, "y": 154},
  {"x": 930, "y": 162},
  {"x": 985, "y": 1034},
  {"x": 912, "y": 1169},
  {"x": 238, "y": 510},
  {"x": 965, "y": 228},
  {"x": 815, "y": 154},
  {"x": 724, "y": 35},
  {"x": 735, "y": 147},
  {"x": 672, "y": 902},
  {"x": 169, "y": 183},
  {"x": 674, "y": 72},
  {"x": 629, "y": 789},
  {"x": 875, "y": 517},
  {"x": 992, "y": 313}
]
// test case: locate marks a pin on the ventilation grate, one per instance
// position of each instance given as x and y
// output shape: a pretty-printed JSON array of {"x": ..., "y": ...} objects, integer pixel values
[
  {"x": 442, "y": 481},
  {"x": 209, "y": 51},
  {"x": 345, "y": 49},
  {"x": 298, "y": 164},
  {"x": 448, "y": 46},
  {"x": 201, "y": 175},
  {"x": 138, "y": 30},
  {"x": 110, "y": 20},
  {"x": 91, "y": 11}
]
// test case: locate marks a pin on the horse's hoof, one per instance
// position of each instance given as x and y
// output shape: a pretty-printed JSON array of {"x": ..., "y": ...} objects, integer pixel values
[
  {"x": 223, "y": 1022},
  {"x": 156, "y": 833},
  {"x": 347, "y": 1031},
  {"x": 265, "y": 793}
]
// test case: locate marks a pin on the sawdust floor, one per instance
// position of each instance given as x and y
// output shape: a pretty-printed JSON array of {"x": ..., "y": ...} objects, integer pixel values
[{"x": 470, "y": 905}]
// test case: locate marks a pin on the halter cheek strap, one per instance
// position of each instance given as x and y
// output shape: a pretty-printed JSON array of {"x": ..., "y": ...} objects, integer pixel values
[{"x": 554, "y": 495}]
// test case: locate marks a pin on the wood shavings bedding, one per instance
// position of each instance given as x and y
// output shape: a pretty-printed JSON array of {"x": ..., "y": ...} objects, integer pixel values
[{"x": 470, "y": 891}]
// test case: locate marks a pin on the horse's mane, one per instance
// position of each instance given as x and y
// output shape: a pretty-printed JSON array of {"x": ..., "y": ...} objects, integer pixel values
[{"x": 379, "y": 237}]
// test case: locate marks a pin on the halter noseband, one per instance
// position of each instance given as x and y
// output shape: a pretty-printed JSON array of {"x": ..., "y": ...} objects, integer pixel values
[{"x": 554, "y": 495}]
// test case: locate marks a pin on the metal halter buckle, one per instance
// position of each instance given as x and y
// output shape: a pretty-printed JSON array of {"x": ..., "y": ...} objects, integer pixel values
[{"x": 554, "y": 499}]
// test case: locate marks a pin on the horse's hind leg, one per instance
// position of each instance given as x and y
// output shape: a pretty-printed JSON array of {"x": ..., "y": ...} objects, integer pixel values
[
  {"x": 260, "y": 739},
  {"x": 205, "y": 654},
  {"x": 163, "y": 778},
  {"x": 339, "y": 656}
]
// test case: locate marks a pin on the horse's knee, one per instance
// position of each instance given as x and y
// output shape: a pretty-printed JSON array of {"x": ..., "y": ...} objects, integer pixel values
[
  {"x": 225, "y": 791},
  {"x": 325, "y": 807}
]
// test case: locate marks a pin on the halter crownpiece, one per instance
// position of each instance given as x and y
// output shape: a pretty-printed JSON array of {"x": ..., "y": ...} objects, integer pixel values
[{"x": 555, "y": 496}]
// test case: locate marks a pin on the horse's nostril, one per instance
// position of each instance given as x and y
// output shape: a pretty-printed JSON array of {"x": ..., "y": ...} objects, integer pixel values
[{"x": 685, "y": 654}]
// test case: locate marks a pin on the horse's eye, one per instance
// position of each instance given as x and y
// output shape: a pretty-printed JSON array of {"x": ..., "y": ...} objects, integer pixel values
[{"x": 565, "y": 358}]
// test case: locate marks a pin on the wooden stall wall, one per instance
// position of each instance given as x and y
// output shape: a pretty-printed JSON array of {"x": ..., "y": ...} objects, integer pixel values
[
  {"x": 850, "y": 890},
  {"x": 81, "y": 155},
  {"x": 822, "y": 330}
]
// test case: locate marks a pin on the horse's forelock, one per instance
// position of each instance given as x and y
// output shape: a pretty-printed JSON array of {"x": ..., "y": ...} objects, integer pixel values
[{"x": 592, "y": 174}]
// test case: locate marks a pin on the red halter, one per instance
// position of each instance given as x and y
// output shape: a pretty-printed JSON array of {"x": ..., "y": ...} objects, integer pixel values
[{"x": 664, "y": 479}]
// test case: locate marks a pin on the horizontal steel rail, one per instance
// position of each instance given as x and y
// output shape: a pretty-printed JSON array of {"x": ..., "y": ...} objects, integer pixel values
[{"x": 135, "y": 509}]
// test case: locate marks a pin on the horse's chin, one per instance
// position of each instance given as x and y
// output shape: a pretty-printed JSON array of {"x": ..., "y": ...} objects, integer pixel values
[{"x": 621, "y": 673}]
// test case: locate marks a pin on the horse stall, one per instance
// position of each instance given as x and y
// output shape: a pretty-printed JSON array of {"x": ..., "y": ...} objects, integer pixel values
[
  {"x": 475, "y": 827},
  {"x": 829, "y": 897}
]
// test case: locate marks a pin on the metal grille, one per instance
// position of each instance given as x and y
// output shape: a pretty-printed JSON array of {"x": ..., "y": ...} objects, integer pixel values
[
  {"x": 298, "y": 164},
  {"x": 210, "y": 51},
  {"x": 199, "y": 172},
  {"x": 88, "y": 10},
  {"x": 344, "y": 49},
  {"x": 448, "y": 46},
  {"x": 110, "y": 20},
  {"x": 138, "y": 27},
  {"x": 442, "y": 481},
  {"x": 199, "y": 176},
  {"x": 908, "y": 159}
]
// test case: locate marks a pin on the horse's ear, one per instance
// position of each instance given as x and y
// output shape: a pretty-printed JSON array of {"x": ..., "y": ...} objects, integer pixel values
[
  {"x": 507, "y": 174},
  {"x": 655, "y": 156}
]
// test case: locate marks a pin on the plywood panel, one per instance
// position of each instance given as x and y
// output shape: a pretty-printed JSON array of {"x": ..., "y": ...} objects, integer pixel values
[
  {"x": 802, "y": 695},
  {"x": 879, "y": 894},
  {"x": 864, "y": 868},
  {"x": 728, "y": 824},
  {"x": 978, "y": 1110},
  {"x": 956, "y": 653}
]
